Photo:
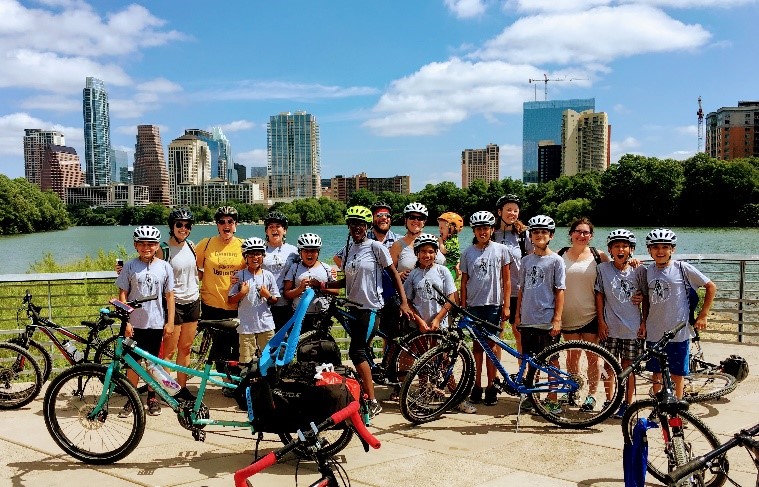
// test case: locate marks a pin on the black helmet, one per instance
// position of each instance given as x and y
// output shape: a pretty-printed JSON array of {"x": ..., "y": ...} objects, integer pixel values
[
  {"x": 180, "y": 214},
  {"x": 276, "y": 217},
  {"x": 507, "y": 198},
  {"x": 226, "y": 211},
  {"x": 381, "y": 204},
  {"x": 736, "y": 366}
]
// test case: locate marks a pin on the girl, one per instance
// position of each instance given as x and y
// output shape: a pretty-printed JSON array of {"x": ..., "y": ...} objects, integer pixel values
[{"x": 279, "y": 256}]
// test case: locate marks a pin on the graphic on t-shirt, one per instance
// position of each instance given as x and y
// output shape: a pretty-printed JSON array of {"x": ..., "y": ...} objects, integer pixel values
[
  {"x": 426, "y": 290},
  {"x": 659, "y": 291},
  {"x": 622, "y": 289},
  {"x": 481, "y": 268},
  {"x": 534, "y": 277},
  {"x": 148, "y": 284},
  {"x": 276, "y": 265}
]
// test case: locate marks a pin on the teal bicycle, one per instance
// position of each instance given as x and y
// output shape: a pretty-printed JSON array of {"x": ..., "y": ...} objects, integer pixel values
[{"x": 82, "y": 405}]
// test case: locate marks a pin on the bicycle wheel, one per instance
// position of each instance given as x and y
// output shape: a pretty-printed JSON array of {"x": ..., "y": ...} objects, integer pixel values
[
  {"x": 201, "y": 347},
  {"x": 697, "y": 438},
  {"x": 589, "y": 366},
  {"x": 435, "y": 382},
  {"x": 101, "y": 440},
  {"x": 40, "y": 354},
  {"x": 20, "y": 377},
  {"x": 408, "y": 350},
  {"x": 701, "y": 387},
  {"x": 336, "y": 439}
]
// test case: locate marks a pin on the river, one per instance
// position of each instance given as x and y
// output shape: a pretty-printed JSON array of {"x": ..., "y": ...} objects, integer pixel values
[{"x": 73, "y": 244}]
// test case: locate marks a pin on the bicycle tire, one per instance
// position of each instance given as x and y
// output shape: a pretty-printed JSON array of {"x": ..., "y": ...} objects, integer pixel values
[
  {"x": 409, "y": 349},
  {"x": 20, "y": 376},
  {"x": 337, "y": 440},
  {"x": 201, "y": 347},
  {"x": 680, "y": 456},
  {"x": 40, "y": 354},
  {"x": 698, "y": 438},
  {"x": 700, "y": 387},
  {"x": 435, "y": 382},
  {"x": 597, "y": 374},
  {"x": 99, "y": 441},
  {"x": 104, "y": 355}
]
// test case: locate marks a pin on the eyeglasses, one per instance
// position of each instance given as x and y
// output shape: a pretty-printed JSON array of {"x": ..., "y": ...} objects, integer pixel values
[
  {"x": 187, "y": 225},
  {"x": 419, "y": 218},
  {"x": 227, "y": 221},
  {"x": 382, "y": 215},
  {"x": 582, "y": 233}
]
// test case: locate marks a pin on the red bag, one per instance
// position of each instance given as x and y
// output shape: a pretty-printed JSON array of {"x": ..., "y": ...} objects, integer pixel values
[{"x": 333, "y": 378}]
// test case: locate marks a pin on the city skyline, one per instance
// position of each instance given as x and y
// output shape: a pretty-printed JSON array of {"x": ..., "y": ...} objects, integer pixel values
[{"x": 393, "y": 95}]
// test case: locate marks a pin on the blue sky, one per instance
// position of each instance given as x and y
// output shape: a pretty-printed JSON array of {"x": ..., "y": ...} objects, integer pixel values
[{"x": 398, "y": 87}]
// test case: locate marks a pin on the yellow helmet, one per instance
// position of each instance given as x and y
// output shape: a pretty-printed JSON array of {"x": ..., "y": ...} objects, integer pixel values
[{"x": 359, "y": 213}]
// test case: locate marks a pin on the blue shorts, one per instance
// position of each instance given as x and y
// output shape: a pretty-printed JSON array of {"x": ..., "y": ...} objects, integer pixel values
[
  {"x": 678, "y": 356},
  {"x": 490, "y": 313}
]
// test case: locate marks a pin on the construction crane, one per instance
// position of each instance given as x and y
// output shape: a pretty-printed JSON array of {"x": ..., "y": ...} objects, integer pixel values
[
  {"x": 700, "y": 114},
  {"x": 545, "y": 81}
]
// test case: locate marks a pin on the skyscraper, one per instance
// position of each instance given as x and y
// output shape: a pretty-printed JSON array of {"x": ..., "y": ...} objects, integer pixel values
[
  {"x": 225, "y": 164},
  {"x": 150, "y": 164},
  {"x": 541, "y": 121},
  {"x": 584, "y": 142},
  {"x": 97, "y": 133},
  {"x": 218, "y": 167},
  {"x": 119, "y": 165},
  {"x": 482, "y": 164},
  {"x": 189, "y": 164},
  {"x": 733, "y": 132},
  {"x": 293, "y": 156},
  {"x": 36, "y": 141},
  {"x": 61, "y": 170}
]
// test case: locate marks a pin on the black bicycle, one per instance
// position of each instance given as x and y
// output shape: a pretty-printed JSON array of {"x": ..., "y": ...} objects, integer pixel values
[
  {"x": 706, "y": 381},
  {"x": 20, "y": 376},
  {"x": 682, "y": 436},
  {"x": 310, "y": 442}
]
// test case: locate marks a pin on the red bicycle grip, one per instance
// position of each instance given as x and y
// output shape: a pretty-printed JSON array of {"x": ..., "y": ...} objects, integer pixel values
[
  {"x": 345, "y": 412},
  {"x": 242, "y": 475},
  {"x": 360, "y": 427}
]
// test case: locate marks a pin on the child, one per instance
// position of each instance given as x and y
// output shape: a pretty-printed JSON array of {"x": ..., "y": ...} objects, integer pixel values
[
  {"x": 450, "y": 225},
  {"x": 146, "y": 276},
  {"x": 485, "y": 291},
  {"x": 667, "y": 285},
  {"x": 540, "y": 301},
  {"x": 620, "y": 324},
  {"x": 254, "y": 294}
]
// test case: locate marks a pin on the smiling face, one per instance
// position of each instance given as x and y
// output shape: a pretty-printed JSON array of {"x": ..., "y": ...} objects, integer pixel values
[
  {"x": 620, "y": 251},
  {"x": 146, "y": 250},
  {"x": 540, "y": 238},
  {"x": 444, "y": 228},
  {"x": 382, "y": 220},
  {"x": 415, "y": 223},
  {"x": 426, "y": 255},
  {"x": 482, "y": 233},
  {"x": 581, "y": 234},
  {"x": 182, "y": 229},
  {"x": 254, "y": 259},
  {"x": 227, "y": 226},
  {"x": 309, "y": 256},
  {"x": 661, "y": 253},
  {"x": 357, "y": 230},
  {"x": 509, "y": 213},
  {"x": 275, "y": 234}
]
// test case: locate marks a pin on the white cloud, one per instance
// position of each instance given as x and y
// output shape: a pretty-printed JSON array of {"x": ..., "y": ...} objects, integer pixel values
[
  {"x": 628, "y": 145},
  {"x": 511, "y": 161},
  {"x": 598, "y": 35},
  {"x": 255, "y": 157},
  {"x": 687, "y": 130},
  {"x": 464, "y": 9},
  {"x": 679, "y": 155},
  {"x": 692, "y": 3},
  {"x": 237, "y": 126},
  {"x": 622, "y": 109},
  {"x": 554, "y": 5},
  {"x": 159, "y": 85},
  {"x": 277, "y": 90},
  {"x": 55, "y": 103}
]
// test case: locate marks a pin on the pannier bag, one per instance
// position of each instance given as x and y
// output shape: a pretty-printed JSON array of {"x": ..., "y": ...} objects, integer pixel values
[
  {"x": 736, "y": 366},
  {"x": 321, "y": 348}
]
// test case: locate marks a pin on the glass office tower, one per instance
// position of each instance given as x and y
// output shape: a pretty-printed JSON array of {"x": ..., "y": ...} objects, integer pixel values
[
  {"x": 97, "y": 133},
  {"x": 293, "y": 157}
]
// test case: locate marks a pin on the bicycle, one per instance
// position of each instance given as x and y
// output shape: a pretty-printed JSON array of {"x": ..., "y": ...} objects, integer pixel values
[
  {"x": 310, "y": 442},
  {"x": 706, "y": 381},
  {"x": 694, "y": 471},
  {"x": 683, "y": 435},
  {"x": 20, "y": 376},
  {"x": 81, "y": 412},
  {"x": 444, "y": 375}
]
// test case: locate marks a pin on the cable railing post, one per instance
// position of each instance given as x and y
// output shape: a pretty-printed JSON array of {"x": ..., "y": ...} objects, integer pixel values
[{"x": 741, "y": 298}]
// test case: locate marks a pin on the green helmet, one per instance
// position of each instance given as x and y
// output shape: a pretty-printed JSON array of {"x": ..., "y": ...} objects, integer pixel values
[{"x": 359, "y": 213}]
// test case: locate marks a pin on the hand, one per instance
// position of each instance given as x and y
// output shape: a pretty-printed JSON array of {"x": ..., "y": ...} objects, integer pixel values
[
  {"x": 128, "y": 331},
  {"x": 556, "y": 328},
  {"x": 168, "y": 329},
  {"x": 700, "y": 323},
  {"x": 404, "y": 275},
  {"x": 406, "y": 311},
  {"x": 244, "y": 288},
  {"x": 633, "y": 262},
  {"x": 118, "y": 268},
  {"x": 264, "y": 293},
  {"x": 234, "y": 279},
  {"x": 642, "y": 331},
  {"x": 636, "y": 298},
  {"x": 603, "y": 330},
  {"x": 434, "y": 324},
  {"x": 505, "y": 313}
]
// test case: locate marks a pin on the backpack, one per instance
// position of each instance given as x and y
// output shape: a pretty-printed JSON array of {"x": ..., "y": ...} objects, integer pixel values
[
  {"x": 321, "y": 348},
  {"x": 593, "y": 251},
  {"x": 691, "y": 294}
]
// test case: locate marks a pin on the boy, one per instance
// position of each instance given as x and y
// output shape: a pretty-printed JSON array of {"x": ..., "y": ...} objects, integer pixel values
[
  {"x": 254, "y": 294},
  {"x": 620, "y": 324},
  {"x": 540, "y": 301},
  {"x": 144, "y": 276},
  {"x": 667, "y": 285}
]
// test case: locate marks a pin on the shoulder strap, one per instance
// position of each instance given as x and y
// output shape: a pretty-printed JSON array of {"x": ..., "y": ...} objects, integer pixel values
[
  {"x": 562, "y": 250},
  {"x": 165, "y": 251},
  {"x": 521, "y": 237},
  {"x": 192, "y": 247},
  {"x": 596, "y": 255},
  {"x": 688, "y": 287}
]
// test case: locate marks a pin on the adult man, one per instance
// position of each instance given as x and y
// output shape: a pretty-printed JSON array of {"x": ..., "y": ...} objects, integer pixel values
[{"x": 382, "y": 219}]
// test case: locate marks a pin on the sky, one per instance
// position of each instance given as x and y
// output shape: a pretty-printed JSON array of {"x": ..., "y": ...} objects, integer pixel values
[{"x": 398, "y": 87}]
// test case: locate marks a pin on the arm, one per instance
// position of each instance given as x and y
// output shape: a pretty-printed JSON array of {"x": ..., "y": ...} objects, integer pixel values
[
  {"x": 395, "y": 252},
  {"x": 405, "y": 310},
  {"x": 168, "y": 329},
  {"x": 506, "y": 280},
  {"x": 464, "y": 281},
  {"x": 241, "y": 293},
  {"x": 200, "y": 258},
  {"x": 518, "y": 314},
  {"x": 711, "y": 291},
  {"x": 290, "y": 291},
  {"x": 128, "y": 331},
  {"x": 603, "y": 328},
  {"x": 646, "y": 305},
  {"x": 558, "y": 310}
]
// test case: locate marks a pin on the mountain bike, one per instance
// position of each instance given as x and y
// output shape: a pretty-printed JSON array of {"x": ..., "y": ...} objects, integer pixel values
[
  {"x": 310, "y": 441},
  {"x": 682, "y": 436},
  {"x": 694, "y": 472},
  {"x": 20, "y": 376},
  {"x": 706, "y": 381},
  {"x": 444, "y": 375}
]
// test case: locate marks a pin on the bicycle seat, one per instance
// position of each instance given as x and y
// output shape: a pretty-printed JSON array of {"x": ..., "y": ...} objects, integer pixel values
[
  {"x": 671, "y": 404},
  {"x": 219, "y": 325}
]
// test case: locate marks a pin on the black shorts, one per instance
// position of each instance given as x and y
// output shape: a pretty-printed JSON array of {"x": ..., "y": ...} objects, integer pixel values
[
  {"x": 535, "y": 340},
  {"x": 186, "y": 313},
  {"x": 148, "y": 340},
  {"x": 226, "y": 344},
  {"x": 512, "y": 309},
  {"x": 591, "y": 327}
]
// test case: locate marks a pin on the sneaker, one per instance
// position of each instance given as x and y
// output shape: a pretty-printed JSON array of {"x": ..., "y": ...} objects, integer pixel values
[
  {"x": 184, "y": 394},
  {"x": 606, "y": 405},
  {"x": 526, "y": 406},
  {"x": 476, "y": 396},
  {"x": 126, "y": 411},
  {"x": 491, "y": 396},
  {"x": 589, "y": 404},
  {"x": 374, "y": 408},
  {"x": 621, "y": 411},
  {"x": 466, "y": 407},
  {"x": 568, "y": 398},
  {"x": 154, "y": 407},
  {"x": 553, "y": 407}
]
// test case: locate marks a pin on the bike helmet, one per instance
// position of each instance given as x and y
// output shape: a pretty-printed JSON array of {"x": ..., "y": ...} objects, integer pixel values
[
  {"x": 309, "y": 241},
  {"x": 661, "y": 236},
  {"x": 358, "y": 212},
  {"x": 415, "y": 208},
  {"x": 381, "y": 204},
  {"x": 541, "y": 222},
  {"x": 276, "y": 217},
  {"x": 736, "y": 366},
  {"x": 453, "y": 219},
  {"x": 424, "y": 239},
  {"x": 253, "y": 243},
  {"x": 146, "y": 233},
  {"x": 180, "y": 214},
  {"x": 621, "y": 235},
  {"x": 225, "y": 211},
  {"x": 507, "y": 198},
  {"x": 482, "y": 219}
]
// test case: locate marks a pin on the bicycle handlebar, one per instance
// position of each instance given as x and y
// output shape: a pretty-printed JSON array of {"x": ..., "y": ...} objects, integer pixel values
[
  {"x": 658, "y": 347},
  {"x": 348, "y": 412},
  {"x": 475, "y": 320}
]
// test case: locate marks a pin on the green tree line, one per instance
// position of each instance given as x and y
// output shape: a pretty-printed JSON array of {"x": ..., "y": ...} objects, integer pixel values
[{"x": 638, "y": 191}]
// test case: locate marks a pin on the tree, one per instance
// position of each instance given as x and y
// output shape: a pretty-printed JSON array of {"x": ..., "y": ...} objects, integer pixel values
[
  {"x": 362, "y": 197},
  {"x": 570, "y": 210}
]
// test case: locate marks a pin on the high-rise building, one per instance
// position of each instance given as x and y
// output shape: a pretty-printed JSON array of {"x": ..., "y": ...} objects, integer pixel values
[
  {"x": 61, "y": 170},
  {"x": 482, "y": 164},
  {"x": 150, "y": 164},
  {"x": 341, "y": 187},
  {"x": 218, "y": 164},
  {"x": 541, "y": 121},
  {"x": 226, "y": 163},
  {"x": 585, "y": 138},
  {"x": 241, "y": 171},
  {"x": 258, "y": 172},
  {"x": 293, "y": 156},
  {"x": 733, "y": 132},
  {"x": 97, "y": 133},
  {"x": 36, "y": 142},
  {"x": 549, "y": 161},
  {"x": 189, "y": 164},
  {"x": 119, "y": 165}
]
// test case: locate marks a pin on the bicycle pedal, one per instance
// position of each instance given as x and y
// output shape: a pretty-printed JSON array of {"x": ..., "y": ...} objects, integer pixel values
[{"x": 199, "y": 435}]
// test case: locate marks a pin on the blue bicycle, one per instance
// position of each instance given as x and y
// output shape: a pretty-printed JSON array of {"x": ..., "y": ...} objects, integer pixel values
[{"x": 568, "y": 373}]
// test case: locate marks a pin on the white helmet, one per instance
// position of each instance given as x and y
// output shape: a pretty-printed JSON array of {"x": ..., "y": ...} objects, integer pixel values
[
  {"x": 481, "y": 219},
  {"x": 424, "y": 239},
  {"x": 253, "y": 243},
  {"x": 415, "y": 208},
  {"x": 661, "y": 236},
  {"x": 146, "y": 233},
  {"x": 621, "y": 235},
  {"x": 309, "y": 241},
  {"x": 543, "y": 222}
]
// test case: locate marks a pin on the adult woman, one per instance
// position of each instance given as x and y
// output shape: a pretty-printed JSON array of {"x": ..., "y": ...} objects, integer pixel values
[
  {"x": 179, "y": 252},
  {"x": 279, "y": 256},
  {"x": 402, "y": 252},
  {"x": 217, "y": 259}
]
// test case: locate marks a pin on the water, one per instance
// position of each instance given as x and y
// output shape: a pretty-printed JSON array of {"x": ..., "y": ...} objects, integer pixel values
[{"x": 20, "y": 251}]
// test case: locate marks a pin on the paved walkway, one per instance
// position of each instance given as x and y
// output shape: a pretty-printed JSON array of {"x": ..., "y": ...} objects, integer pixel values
[{"x": 462, "y": 450}]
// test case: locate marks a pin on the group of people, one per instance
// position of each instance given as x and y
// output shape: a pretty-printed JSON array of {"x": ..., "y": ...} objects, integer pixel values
[{"x": 508, "y": 274}]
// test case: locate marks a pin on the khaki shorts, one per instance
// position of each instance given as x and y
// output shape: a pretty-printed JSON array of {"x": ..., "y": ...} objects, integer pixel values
[{"x": 251, "y": 344}]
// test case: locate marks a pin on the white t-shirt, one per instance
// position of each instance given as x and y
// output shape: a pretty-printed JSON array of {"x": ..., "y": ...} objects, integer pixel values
[
  {"x": 363, "y": 272},
  {"x": 618, "y": 287},
  {"x": 483, "y": 268},
  {"x": 298, "y": 272},
  {"x": 253, "y": 310},
  {"x": 421, "y": 294},
  {"x": 141, "y": 280},
  {"x": 579, "y": 298},
  {"x": 539, "y": 277},
  {"x": 277, "y": 260},
  {"x": 182, "y": 261}
]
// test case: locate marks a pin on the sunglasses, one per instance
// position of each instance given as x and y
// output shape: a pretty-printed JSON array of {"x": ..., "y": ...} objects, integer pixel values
[
  {"x": 188, "y": 225},
  {"x": 227, "y": 221},
  {"x": 418, "y": 218},
  {"x": 382, "y": 215}
]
